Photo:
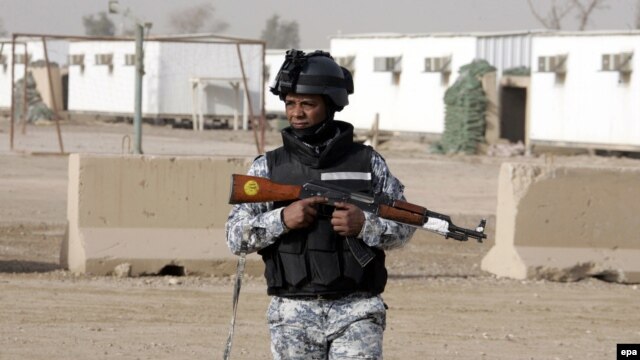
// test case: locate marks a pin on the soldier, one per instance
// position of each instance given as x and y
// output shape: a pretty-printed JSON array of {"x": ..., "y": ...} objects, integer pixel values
[{"x": 325, "y": 304}]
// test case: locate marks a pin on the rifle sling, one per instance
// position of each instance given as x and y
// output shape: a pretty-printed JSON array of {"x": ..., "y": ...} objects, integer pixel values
[{"x": 236, "y": 296}]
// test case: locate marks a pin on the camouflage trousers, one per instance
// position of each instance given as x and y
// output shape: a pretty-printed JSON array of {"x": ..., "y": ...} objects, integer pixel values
[{"x": 347, "y": 328}]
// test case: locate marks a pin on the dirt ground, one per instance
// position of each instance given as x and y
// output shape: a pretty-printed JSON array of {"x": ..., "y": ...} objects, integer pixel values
[{"x": 441, "y": 304}]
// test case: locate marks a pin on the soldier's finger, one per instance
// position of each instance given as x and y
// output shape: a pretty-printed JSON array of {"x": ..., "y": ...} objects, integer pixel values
[
  {"x": 341, "y": 230},
  {"x": 315, "y": 200},
  {"x": 343, "y": 205},
  {"x": 310, "y": 211}
]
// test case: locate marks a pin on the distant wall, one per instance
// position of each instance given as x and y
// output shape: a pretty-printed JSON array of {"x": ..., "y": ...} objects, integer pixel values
[
  {"x": 376, "y": 92},
  {"x": 566, "y": 223},
  {"x": 586, "y": 106},
  {"x": 149, "y": 212}
]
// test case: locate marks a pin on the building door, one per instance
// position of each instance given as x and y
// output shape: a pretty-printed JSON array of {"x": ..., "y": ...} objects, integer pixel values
[
  {"x": 513, "y": 105},
  {"x": 65, "y": 91}
]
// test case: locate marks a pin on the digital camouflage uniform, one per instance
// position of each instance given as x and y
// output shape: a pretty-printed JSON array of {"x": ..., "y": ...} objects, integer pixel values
[{"x": 349, "y": 327}]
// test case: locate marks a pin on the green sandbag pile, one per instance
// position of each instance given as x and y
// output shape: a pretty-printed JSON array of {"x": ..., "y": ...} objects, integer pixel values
[
  {"x": 518, "y": 71},
  {"x": 465, "y": 105},
  {"x": 36, "y": 108}
]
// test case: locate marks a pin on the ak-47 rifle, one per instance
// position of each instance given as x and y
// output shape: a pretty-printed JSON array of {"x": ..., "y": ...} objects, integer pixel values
[{"x": 251, "y": 189}]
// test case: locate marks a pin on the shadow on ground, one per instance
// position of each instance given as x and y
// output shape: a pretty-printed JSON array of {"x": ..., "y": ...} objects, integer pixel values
[{"x": 19, "y": 266}]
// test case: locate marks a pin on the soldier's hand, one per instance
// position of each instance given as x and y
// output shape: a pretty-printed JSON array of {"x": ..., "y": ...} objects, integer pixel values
[
  {"x": 347, "y": 219},
  {"x": 302, "y": 213}
]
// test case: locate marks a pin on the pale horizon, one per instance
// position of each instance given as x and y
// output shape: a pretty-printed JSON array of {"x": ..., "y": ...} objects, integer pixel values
[{"x": 317, "y": 21}]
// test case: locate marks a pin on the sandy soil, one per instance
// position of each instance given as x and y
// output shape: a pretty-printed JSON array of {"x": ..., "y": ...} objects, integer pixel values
[{"x": 441, "y": 305}]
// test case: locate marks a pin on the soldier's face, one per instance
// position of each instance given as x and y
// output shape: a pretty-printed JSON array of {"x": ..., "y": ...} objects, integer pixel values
[{"x": 304, "y": 110}]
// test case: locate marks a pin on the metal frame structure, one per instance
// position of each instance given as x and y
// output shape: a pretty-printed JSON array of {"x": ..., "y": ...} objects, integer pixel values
[{"x": 257, "y": 121}]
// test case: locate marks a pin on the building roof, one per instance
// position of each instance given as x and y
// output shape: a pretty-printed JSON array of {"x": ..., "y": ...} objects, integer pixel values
[
  {"x": 535, "y": 32},
  {"x": 436, "y": 34},
  {"x": 592, "y": 33}
]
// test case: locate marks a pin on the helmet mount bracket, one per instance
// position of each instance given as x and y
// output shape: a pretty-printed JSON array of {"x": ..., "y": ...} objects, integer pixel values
[{"x": 313, "y": 73}]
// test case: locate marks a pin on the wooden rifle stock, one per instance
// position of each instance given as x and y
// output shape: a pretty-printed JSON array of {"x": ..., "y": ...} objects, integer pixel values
[{"x": 250, "y": 189}]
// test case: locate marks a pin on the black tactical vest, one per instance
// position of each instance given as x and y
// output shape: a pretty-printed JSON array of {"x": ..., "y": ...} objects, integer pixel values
[{"x": 316, "y": 260}]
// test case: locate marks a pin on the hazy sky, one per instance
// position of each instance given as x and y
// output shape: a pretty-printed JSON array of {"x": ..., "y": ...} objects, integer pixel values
[{"x": 317, "y": 19}]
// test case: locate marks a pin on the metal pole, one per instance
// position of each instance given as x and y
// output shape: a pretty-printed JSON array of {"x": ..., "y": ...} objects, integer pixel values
[
  {"x": 54, "y": 104},
  {"x": 263, "y": 117},
  {"x": 236, "y": 108},
  {"x": 137, "y": 117},
  {"x": 25, "y": 108},
  {"x": 259, "y": 146},
  {"x": 13, "y": 95}
]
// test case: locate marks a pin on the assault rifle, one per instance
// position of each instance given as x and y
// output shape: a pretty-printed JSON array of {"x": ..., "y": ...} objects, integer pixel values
[{"x": 251, "y": 189}]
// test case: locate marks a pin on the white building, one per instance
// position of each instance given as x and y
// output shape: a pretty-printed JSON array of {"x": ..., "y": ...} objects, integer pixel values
[
  {"x": 102, "y": 73},
  {"x": 585, "y": 90},
  {"x": 403, "y": 78}
]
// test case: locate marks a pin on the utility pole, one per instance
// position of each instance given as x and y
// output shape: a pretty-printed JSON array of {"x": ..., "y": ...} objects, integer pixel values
[
  {"x": 137, "y": 116},
  {"x": 114, "y": 8}
]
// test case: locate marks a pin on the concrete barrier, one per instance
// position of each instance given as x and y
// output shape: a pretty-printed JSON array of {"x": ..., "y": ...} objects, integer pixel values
[
  {"x": 566, "y": 223},
  {"x": 150, "y": 215}
]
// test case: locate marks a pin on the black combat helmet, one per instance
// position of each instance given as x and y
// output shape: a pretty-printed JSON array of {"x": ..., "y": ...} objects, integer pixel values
[{"x": 313, "y": 73}]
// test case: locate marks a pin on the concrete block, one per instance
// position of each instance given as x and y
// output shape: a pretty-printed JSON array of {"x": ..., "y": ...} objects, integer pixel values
[
  {"x": 565, "y": 223},
  {"x": 151, "y": 212}
]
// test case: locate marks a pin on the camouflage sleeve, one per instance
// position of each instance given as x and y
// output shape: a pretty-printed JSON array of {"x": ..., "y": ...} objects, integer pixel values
[
  {"x": 378, "y": 232},
  {"x": 256, "y": 223}
]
